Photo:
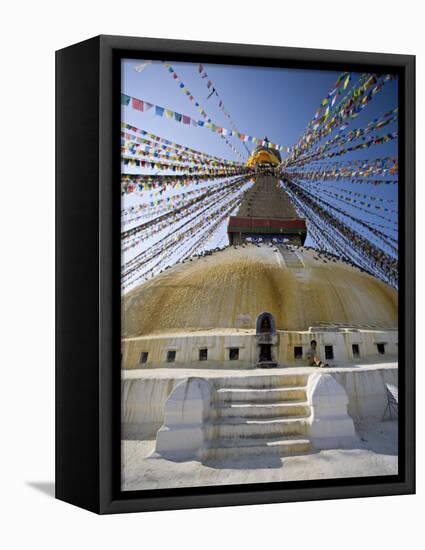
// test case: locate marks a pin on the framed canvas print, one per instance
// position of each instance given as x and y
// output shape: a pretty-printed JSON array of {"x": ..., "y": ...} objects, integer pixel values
[{"x": 235, "y": 274}]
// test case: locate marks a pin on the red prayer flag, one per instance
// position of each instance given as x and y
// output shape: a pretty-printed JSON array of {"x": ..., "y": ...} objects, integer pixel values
[
  {"x": 137, "y": 104},
  {"x": 186, "y": 119}
]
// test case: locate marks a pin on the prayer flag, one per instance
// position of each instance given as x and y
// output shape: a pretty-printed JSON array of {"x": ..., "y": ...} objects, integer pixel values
[
  {"x": 125, "y": 99},
  {"x": 142, "y": 66},
  {"x": 137, "y": 104},
  {"x": 347, "y": 80}
]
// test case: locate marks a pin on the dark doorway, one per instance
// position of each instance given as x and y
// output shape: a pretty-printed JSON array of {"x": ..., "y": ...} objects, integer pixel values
[
  {"x": 266, "y": 338},
  {"x": 265, "y": 353}
]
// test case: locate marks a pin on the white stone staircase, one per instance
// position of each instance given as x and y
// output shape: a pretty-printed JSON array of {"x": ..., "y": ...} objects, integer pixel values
[{"x": 258, "y": 415}]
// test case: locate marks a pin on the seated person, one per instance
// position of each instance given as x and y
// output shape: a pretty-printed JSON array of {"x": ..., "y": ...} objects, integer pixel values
[{"x": 313, "y": 357}]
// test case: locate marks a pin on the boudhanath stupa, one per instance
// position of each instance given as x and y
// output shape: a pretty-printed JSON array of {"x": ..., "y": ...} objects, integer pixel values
[{"x": 213, "y": 302}]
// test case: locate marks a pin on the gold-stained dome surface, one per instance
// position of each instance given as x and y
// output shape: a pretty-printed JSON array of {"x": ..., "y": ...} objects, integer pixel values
[{"x": 229, "y": 288}]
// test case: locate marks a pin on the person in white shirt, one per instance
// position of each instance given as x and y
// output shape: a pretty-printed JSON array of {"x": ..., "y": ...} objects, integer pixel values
[{"x": 313, "y": 357}]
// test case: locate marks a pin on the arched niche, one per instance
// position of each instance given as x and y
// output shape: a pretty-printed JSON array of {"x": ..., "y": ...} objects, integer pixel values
[{"x": 265, "y": 323}]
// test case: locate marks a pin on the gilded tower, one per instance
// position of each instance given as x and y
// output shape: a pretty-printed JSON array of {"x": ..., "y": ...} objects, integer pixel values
[{"x": 266, "y": 211}]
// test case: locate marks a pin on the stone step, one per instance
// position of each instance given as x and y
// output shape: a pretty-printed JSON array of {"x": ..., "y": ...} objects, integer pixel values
[
  {"x": 264, "y": 427},
  {"x": 262, "y": 381},
  {"x": 269, "y": 395},
  {"x": 242, "y": 447},
  {"x": 258, "y": 410}
]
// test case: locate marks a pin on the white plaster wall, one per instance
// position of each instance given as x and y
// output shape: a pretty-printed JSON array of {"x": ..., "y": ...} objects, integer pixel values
[
  {"x": 366, "y": 389},
  {"x": 342, "y": 345},
  {"x": 187, "y": 351},
  {"x": 187, "y": 348},
  {"x": 142, "y": 402}
]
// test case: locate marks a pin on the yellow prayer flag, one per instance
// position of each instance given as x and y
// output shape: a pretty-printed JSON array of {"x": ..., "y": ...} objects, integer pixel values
[{"x": 347, "y": 80}]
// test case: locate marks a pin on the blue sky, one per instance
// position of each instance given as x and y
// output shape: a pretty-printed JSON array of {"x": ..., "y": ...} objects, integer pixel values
[
  {"x": 278, "y": 103},
  {"x": 275, "y": 102}
]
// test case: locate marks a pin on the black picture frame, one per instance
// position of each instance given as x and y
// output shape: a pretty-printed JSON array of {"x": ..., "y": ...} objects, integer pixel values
[{"x": 87, "y": 275}]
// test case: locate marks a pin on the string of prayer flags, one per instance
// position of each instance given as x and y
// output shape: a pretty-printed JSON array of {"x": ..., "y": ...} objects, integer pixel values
[
  {"x": 154, "y": 164},
  {"x": 349, "y": 200},
  {"x": 379, "y": 260},
  {"x": 185, "y": 119},
  {"x": 189, "y": 95},
  {"x": 156, "y": 202},
  {"x": 139, "y": 183},
  {"x": 354, "y": 169},
  {"x": 190, "y": 227},
  {"x": 168, "y": 145},
  {"x": 357, "y": 194},
  {"x": 171, "y": 217},
  {"x": 157, "y": 197},
  {"x": 343, "y": 138},
  {"x": 376, "y": 232},
  {"x": 204, "y": 76},
  {"x": 209, "y": 223},
  {"x": 329, "y": 101},
  {"x": 375, "y": 140},
  {"x": 154, "y": 154},
  {"x": 350, "y": 106}
]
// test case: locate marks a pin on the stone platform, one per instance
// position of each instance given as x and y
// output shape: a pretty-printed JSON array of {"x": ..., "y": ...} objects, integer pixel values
[
  {"x": 145, "y": 391},
  {"x": 255, "y": 425}
]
